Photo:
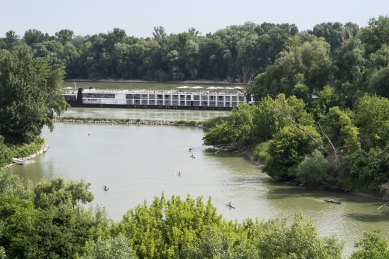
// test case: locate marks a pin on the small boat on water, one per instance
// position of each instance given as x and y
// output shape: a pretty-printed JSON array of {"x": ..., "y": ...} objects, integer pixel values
[
  {"x": 332, "y": 201},
  {"x": 229, "y": 205}
]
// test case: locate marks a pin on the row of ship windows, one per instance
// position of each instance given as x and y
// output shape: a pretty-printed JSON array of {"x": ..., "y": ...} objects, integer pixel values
[
  {"x": 175, "y": 103},
  {"x": 166, "y": 97},
  {"x": 183, "y": 103}
]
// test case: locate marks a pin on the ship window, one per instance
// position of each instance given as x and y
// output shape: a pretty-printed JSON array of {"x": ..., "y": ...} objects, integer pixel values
[
  {"x": 159, "y": 96},
  {"x": 220, "y": 98},
  {"x": 196, "y": 97},
  {"x": 136, "y": 102},
  {"x": 136, "y": 96},
  {"x": 167, "y": 96},
  {"x": 144, "y": 102},
  {"x": 182, "y": 97},
  {"x": 196, "y": 103},
  {"x": 234, "y": 104},
  {"x": 228, "y": 98},
  {"x": 175, "y": 102},
  {"x": 129, "y": 96},
  {"x": 204, "y": 103},
  {"x": 130, "y": 101},
  {"x": 97, "y": 95},
  {"x": 144, "y": 96},
  {"x": 188, "y": 97},
  {"x": 204, "y": 97},
  {"x": 234, "y": 99},
  {"x": 212, "y": 97},
  {"x": 175, "y": 97},
  {"x": 241, "y": 98},
  {"x": 159, "y": 102},
  {"x": 182, "y": 103},
  {"x": 228, "y": 104},
  {"x": 220, "y": 104},
  {"x": 167, "y": 102},
  {"x": 152, "y": 102},
  {"x": 152, "y": 96},
  {"x": 70, "y": 97},
  {"x": 212, "y": 103}
]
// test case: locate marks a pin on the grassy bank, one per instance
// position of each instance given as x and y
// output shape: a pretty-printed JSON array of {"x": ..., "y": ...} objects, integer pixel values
[{"x": 8, "y": 152}]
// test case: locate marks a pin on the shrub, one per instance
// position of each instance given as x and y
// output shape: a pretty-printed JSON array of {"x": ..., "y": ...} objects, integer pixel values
[{"x": 313, "y": 169}]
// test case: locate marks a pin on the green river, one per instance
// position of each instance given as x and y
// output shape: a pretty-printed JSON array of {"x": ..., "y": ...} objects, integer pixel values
[{"x": 139, "y": 162}]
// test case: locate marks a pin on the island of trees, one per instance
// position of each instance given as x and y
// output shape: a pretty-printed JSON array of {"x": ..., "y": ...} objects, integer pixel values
[{"x": 320, "y": 119}]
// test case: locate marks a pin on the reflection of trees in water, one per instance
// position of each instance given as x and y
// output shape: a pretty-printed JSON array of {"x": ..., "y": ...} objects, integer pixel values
[{"x": 35, "y": 171}]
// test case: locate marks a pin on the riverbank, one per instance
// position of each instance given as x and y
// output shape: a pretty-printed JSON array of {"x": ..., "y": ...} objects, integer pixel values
[
  {"x": 129, "y": 121},
  {"x": 19, "y": 160}
]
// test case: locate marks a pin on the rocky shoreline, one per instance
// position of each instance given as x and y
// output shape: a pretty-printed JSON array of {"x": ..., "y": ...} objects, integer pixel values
[
  {"x": 129, "y": 122},
  {"x": 18, "y": 160}
]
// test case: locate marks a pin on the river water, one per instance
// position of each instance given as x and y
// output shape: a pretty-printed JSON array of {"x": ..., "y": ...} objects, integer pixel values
[{"x": 138, "y": 162}]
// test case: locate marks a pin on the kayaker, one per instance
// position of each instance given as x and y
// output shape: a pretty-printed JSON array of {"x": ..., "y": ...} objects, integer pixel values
[
  {"x": 331, "y": 200},
  {"x": 229, "y": 204}
]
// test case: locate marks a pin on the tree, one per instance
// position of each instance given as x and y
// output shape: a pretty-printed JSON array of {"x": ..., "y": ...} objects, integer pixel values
[
  {"x": 10, "y": 40},
  {"x": 33, "y": 36},
  {"x": 375, "y": 34},
  {"x": 313, "y": 169},
  {"x": 372, "y": 119},
  {"x": 287, "y": 150},
  {"x": 111, "y": 248},
  {"x": 29, "y": 96},
  {"x": 64, "y": 36},
  {"x": 305, "y": 62},
  {"x": 379, "y": 83},
  {"x": 373, "y": 246}
]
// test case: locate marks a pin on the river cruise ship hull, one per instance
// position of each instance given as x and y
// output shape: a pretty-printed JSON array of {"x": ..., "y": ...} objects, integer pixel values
[{"x": 150, "y": 99}]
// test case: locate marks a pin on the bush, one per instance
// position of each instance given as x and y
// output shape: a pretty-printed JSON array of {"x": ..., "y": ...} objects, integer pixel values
[
  {"x": 212, "y": 122},
  {"x": 313, "y": 169},
  {"x": 260, "y": 152},
  {"x": 185, "y": 122}
]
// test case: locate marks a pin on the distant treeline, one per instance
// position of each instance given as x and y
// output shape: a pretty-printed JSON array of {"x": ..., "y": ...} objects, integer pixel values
[
  {"x": 325, "y": 54},
  {"x": 233, "y": 52}
]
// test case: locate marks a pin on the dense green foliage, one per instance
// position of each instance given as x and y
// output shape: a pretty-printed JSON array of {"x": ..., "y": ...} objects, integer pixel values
[
  {"x": 10, "y": 151},
  {"x": 236, "y": 52},
  {"x": 48, "y": 221},
  {"x": 322, "y": 109},
  {"x": 29, "y": 95}
]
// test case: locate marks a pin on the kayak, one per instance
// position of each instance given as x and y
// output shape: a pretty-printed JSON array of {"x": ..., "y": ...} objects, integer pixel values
[
  {"x": 337, "y": 202},
  {"x": 230, "y": 206}
]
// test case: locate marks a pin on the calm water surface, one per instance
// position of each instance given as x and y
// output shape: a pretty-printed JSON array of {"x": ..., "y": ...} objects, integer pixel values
[{"x": 140, "y": 162}]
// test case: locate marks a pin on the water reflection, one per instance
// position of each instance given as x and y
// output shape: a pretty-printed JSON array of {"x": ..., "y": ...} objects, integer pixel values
[{"x": 147, "y": 114}]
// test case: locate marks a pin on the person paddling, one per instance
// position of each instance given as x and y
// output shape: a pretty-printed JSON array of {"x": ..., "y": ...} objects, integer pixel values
[{"x": 105, "y": 188}]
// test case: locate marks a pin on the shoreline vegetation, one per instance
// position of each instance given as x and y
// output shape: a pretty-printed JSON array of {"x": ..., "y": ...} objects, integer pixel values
[
  {"x": 18, "y": 160},
  {"x": 129, "y": 121},
  {"x": 22, "y": 154}
]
